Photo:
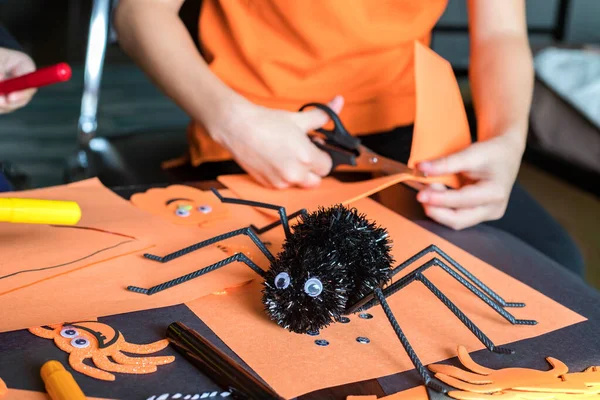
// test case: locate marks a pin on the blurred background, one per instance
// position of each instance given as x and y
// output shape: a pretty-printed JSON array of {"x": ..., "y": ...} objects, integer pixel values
[{"x": 561, "y": 166}]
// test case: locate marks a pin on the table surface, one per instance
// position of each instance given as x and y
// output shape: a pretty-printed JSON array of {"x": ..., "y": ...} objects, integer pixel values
[{"x": 576, "y": 345}]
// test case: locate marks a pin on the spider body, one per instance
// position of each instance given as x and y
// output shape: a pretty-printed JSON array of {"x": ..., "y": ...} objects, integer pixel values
[
  {"x": 332, "y": 258},
  {"x": 335, "y": 262}
]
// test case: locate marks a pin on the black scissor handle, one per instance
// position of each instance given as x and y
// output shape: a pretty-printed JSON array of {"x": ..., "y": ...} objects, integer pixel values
[
  {"x": 338, "y": 155},
  {"x": 338, "y": 135}
]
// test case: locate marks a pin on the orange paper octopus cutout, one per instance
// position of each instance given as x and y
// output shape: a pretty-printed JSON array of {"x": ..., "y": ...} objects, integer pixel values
[
  {"x": 517, "y": 383},
  {"x": 98, "y": 341},
  {"x": 182, "y": 205}
]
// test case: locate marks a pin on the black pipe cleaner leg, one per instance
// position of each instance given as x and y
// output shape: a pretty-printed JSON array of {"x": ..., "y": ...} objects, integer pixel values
[
  {"x": 461, "y": 269},
  {"x": 243, "y": 231},
  {"x": 368, "y": 301},
  {"x": 278, "y": 222},
  {"x": 462, "y": 317},
  {"x": 182, "y": 279},
  {"x": 282, "y": 215},
  {"x": 427, "y": 378}
]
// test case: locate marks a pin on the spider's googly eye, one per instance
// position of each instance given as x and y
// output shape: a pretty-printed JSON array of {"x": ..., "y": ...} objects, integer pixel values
[
  {"x": 69, "y": 333},
  {"x": 313, "y": 287},
  {"x": 282, "y": 280},
  {"x": 205, "y": 209},
  {"x": 80, "y": 343}
]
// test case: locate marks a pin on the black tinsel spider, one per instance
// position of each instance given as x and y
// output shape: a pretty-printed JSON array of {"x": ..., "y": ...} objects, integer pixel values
[{"x": 335, "y": 262}]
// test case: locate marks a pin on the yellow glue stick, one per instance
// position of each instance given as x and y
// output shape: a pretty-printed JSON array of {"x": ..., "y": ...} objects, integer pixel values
[
  {"x": 34, "y": 211},
  {"x": 59, "y": 382}
]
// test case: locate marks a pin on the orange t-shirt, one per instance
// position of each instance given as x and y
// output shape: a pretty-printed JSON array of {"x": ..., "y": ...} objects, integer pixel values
[{"x": 285, "y": 53}]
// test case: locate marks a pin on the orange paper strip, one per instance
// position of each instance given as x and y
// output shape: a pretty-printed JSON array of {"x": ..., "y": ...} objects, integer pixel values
[
  {"x": 441, "y": 126},
  {"x": 330, "y": 192},
  {"x": 293, "y": 365}
]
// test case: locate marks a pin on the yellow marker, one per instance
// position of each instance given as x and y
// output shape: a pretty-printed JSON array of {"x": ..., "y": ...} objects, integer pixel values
[
  {"x": 34, "y": 211},
  {"x": 60, "y": 384}
]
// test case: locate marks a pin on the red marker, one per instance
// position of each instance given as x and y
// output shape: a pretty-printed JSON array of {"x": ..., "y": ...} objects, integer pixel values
[{"x": 42, "y": 77}]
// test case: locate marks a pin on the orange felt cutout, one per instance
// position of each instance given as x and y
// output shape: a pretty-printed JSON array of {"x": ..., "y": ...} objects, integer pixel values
[
  {"x": 517, "y": 383},
  {"x": 3, "y": 388},
  {"x": 98, "y": 341},
  {"x": 101, "y": 286},
  {"x": 183, "y": 205},
  {"x": 441, "y": 126},
  {"x": 293, "y": 365}
]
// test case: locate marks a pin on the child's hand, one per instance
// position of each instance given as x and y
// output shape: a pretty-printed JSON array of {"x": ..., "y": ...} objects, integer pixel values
[
  {"x": 273, "y": 145},
  {"x": 12, "y": 64},
  {"x": 492, "y": 165}
]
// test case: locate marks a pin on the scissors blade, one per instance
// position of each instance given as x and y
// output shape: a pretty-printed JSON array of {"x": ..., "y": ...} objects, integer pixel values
[{"x": 371, "y": 161}]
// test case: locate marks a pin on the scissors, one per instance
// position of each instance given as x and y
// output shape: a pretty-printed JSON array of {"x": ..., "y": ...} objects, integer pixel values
[{"x": 347, "y": 152}]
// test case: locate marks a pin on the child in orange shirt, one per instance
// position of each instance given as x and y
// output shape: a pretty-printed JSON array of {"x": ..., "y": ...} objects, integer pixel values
[{"x": 262, "y": 59}]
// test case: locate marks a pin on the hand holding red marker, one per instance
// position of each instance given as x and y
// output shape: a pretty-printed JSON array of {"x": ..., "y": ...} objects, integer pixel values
[{"x": 36, "y": 79}]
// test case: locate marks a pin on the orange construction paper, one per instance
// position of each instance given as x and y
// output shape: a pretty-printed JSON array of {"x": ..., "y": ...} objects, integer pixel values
[
  {"x": 293, "y": 365},
  {"x": 97, "y": 341},
  {"x": 517, "y": 383},
  {"x": 31, "y": 252},
  {"x": 3, "y": 388},
  {"x": 110, "y": 227},
  {"x": 183, "y": 205},
  {"x": 441, "y": 127},
  {"x": 100, "y": 287}
]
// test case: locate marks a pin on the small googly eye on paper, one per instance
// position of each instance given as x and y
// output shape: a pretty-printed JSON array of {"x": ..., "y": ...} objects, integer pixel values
[
  {"x": 80, "y": 343},
  {"x": 69, "y": 332},
  {"x": 205, "y": 209},
  {"x": 182, "y": 212}
]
